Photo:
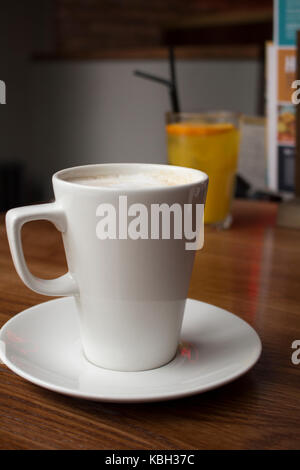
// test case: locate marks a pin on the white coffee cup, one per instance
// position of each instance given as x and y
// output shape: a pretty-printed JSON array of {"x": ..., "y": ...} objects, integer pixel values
[{"x": 130, "y": 293}]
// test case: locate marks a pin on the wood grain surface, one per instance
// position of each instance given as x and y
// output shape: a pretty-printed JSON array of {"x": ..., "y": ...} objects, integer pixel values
[
  {"x": 83, "y": 26},
  {"x": 253, "y": 270}
]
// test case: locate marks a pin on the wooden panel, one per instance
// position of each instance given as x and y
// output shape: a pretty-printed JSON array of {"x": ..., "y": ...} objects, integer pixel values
[
  {"x": 251, "y": 51},
  {"x": 88, "y": 27}
]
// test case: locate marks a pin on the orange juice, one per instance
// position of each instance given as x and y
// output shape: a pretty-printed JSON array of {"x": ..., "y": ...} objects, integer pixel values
[{"x": 212, "y": 148}]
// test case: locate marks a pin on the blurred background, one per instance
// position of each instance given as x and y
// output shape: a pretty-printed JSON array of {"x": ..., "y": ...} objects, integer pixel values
[{"x": 72, "y": 98}]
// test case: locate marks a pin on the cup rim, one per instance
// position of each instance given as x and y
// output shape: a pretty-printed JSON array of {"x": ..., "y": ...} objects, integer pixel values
[
  {"x": 206, "y": 113},
  {"x": 211, "y": 116},
  {"x": 58, "y": 176}
]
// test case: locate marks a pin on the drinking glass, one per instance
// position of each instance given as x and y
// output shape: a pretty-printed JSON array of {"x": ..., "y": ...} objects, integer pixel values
[{"x": 208, "y": 141}]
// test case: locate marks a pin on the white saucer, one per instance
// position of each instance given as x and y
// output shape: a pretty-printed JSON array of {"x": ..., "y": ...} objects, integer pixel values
[{"x": 42, "y": 345}]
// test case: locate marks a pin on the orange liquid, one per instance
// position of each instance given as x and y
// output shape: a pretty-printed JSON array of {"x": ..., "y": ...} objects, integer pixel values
[{"x": 212, "y": 148}]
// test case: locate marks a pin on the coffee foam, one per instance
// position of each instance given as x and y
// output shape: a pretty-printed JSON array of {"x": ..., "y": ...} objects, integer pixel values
[{"x": 135, "y": 180}]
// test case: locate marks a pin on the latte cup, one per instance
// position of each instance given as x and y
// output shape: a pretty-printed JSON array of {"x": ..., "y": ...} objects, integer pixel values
[{"x": 128, "y": 275}]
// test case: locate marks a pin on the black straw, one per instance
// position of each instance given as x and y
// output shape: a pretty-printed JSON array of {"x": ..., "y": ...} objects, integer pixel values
[
  {"x": 173, "y": 88},
  {"x": 171, "y": 83},
  {"x": 154, "y": 78}
]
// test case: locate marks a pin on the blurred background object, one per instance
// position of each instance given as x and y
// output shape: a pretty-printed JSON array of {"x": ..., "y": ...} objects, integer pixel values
[
  {"x": 11, "y": 185},
  {"x": 281, "y": 81},
  {"x": 252, "y": 155},
  {"x": 71, "y": 95}
]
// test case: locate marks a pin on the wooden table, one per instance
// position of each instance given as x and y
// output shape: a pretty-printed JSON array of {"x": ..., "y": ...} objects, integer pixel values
[{"x": 253, "y": 270}]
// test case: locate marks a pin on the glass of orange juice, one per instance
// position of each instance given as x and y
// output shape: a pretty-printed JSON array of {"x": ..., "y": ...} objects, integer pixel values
[{"x": 208, "y": 141}]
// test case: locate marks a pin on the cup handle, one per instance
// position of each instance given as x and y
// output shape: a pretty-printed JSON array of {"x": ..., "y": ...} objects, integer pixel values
[{"x": 15, "y": 219}]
